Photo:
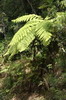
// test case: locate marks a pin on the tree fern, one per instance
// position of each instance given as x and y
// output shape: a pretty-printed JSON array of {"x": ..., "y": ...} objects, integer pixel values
[{"x": 35, "y": 26}]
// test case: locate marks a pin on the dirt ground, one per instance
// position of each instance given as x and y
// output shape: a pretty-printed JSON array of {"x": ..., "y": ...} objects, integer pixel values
[{"x": 33, "y": 96}]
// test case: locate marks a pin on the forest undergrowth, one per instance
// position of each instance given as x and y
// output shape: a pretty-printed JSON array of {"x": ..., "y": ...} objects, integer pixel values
[
  {"x": 23, "y": 78},
  {"x": 32, "y": 49}
]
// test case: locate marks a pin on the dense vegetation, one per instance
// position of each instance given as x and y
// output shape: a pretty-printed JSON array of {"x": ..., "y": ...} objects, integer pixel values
[{"x": 32, "y": 50}]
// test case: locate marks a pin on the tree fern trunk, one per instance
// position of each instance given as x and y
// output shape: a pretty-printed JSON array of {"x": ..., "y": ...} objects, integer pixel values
[{"x": 34, "y": 50}]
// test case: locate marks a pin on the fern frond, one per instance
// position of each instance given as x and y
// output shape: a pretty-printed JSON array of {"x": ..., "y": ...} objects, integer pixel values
[
  {"x": 21, "y": 45},
  {"x": 42, "y": 31},
  {"x": 27, "y": 18},
  {"x": 22, "y": 38},
  {"x": 63, "y": 3},
  {"x": 35, "y": 27},
  {"x": 61, "y": 17},
  {"x": 22, "y": 32},
  {"x": 60, "y": 20}
]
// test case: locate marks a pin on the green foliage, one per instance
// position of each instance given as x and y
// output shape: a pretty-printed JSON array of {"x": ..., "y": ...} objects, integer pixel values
[
  {"x": 46, "y": 37},
  {"x": 26, "y": 18},
  {"x": 63, "y": 3},
  {"x": 35, "y": 27},
  {"x": 1, "y": 47}
]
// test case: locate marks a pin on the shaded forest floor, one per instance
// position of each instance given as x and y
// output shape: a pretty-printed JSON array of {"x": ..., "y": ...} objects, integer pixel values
[
  {"x": 17, "y": 92},
  {"x": 24, "y": 79}
]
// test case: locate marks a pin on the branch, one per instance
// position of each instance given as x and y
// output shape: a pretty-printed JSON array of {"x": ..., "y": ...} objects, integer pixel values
[{"x": 33, "y": 10}]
